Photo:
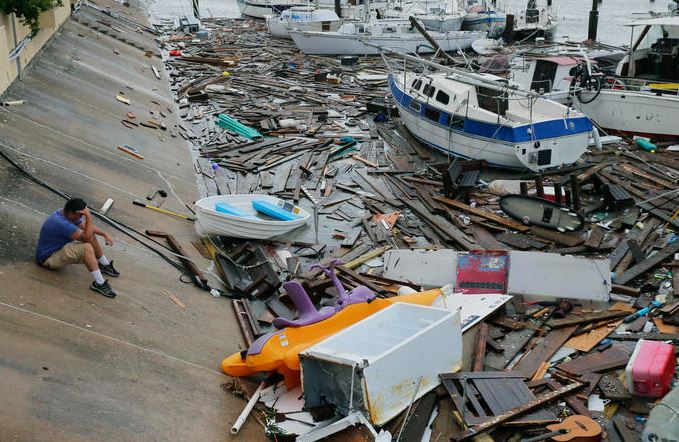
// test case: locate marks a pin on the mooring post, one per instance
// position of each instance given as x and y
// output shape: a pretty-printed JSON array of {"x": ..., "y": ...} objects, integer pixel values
[
  {"x": 539, "y": 187},
  {"x": 593, "y": 22},
  {"x": 508, "y": 35},
  {"x": 575, "y": 191}
]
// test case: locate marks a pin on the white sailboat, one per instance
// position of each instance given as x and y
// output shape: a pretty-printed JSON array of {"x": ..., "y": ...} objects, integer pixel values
[
  {"x": 484, "y": 117},
  {"x": 441, "y": 16},
  {"x": 303, "y": 17},
  {"x": 361, "y": 38},
  {"x": 533, "y": 22},
  {"x": 642, "y": 98},
  {"x": 481, "y": 17}
]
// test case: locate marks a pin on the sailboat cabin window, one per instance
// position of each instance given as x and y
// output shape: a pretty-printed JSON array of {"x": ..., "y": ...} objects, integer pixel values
[
  {"x": 432, "y": 114},
  {"x": 417, "y": 84},
  {"x": 442, "y": 97},
  {"x": 426, "y": 88}
]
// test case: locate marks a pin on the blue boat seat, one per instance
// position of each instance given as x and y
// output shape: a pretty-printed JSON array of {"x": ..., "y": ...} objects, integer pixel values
[
  {"x": 230, "y": 210},
  {"x": 273, "y": 210}
]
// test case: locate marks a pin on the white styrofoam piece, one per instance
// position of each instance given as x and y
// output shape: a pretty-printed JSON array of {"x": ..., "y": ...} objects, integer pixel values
[
  {"x": 291, "y": 401},
  {"x": 294, "y": 427},
  {"x": 302, "y": 416},
  {"x": 426, "y": 436},
  {"x": 550, "y": 275},
  {"x": 392, "y": 349},
  {"x": 428, "y": 268},
  {"x": 473, "y": 307},
  {"x": 270, "y": 394}
]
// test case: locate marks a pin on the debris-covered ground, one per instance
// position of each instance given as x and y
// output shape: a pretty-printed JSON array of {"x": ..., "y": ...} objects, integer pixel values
[{"x": 399, "y": 215}]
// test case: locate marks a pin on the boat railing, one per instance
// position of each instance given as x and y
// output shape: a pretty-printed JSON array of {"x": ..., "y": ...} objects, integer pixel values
[{"x": 640, "y": 85}]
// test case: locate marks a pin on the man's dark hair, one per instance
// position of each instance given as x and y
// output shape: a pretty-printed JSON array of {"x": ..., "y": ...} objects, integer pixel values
[{"x": 74, "y": 205}]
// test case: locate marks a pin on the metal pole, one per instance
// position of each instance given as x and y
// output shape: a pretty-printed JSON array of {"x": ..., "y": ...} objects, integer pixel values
[
  {"x": 196, "y": 9},
  {"x": 14, "y": 33}
]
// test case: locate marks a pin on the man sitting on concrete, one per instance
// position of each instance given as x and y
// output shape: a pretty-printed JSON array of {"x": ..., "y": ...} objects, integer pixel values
[{"x": 68, "y": 236}]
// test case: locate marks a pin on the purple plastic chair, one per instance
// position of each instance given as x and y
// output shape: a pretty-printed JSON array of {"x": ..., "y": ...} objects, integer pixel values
[
  {"x": 356, "y": 296},
  {"x": 307, "y": 311}
]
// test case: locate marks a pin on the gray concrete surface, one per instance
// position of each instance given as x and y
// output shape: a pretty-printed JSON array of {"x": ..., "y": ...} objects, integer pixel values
[{"x": 75, "y": 365}]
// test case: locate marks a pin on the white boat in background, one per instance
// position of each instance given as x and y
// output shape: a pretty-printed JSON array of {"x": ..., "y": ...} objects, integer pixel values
[
  {"x": 360, "y": 38},
  {"x": 483, "y": 117},
  {"x": 441, "y": 16},
  {"x": 486, "y": 19},
  {"x": 236, "y": 216},
  {"x": 261, "y": 8},
  {"x": 308, "y": 18},
  {"x": 641, "y": 98},
  {"x": 533, "y": 22}
]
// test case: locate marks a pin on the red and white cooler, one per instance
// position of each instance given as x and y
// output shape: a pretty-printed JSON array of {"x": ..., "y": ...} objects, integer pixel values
[{"x": 651, "y": 369}]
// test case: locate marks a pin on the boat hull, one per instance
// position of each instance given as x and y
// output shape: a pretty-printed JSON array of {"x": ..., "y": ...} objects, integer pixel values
[
  {"x": 481, "y": 141},
  {"x": 210, "y": 222},
  {"x": 332, "y": 43},
  {"x": 492, "y": 23},
  {"x": 630, "y": 112},
  {"x": 259, "y": 9},
  {"x": 281, "y": 29},
  {"x": 541, "y": 212}
]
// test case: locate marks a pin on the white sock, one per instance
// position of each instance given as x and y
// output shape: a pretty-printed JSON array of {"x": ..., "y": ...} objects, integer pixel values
[
  {"x": 96, "y": 275},
  {"x": 104, "y": 260}
]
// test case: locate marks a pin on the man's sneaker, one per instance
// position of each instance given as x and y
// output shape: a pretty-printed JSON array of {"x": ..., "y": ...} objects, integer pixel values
[
  {"x": 105, "y": 289},
  {"x": 109, "y": 270}
]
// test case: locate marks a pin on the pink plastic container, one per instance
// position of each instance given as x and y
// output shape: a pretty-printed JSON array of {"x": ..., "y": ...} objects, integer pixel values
[{"x": 650, "y": 369}]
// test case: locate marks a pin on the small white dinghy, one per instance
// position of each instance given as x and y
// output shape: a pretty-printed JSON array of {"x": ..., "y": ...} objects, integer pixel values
[{"x": 251, "y": 216}]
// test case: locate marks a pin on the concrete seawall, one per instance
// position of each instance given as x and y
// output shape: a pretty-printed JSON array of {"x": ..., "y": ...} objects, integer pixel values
[{"x": 73, "y": 364}]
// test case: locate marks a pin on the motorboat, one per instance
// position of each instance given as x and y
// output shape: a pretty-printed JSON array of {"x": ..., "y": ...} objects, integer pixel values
[
  {"x": 533, "y": 22},
  {"x": 302, "y": 17},
  {"x": 486, "y": 19},
  {"x": 639, "y": 98},
  {"x": 251, "y": 216},
  {"x": 262, "y": 8},
  {"x": 485, "y": 117},
  {"x": 364, "y": 38}
]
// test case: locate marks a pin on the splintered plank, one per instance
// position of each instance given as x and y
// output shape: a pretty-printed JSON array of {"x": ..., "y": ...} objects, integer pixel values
[
  {"x": 483, "y": 213},
  {"x": 515, "y": 412},
  {"x": 575, "y": 319},
  {"x": 444, "y": 228},
  {"x": 566, "y": 239},
  {"x": 615, "y": 357},
  {"x": 512, "y": 344},
  {"x": 544, "y": 350},
  {"x": 587, "y": 341},
  {"x": 648, "y": 263}
]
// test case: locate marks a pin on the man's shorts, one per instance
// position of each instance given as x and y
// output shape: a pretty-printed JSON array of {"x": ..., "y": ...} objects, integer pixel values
[{"x": 71, "y": 253}]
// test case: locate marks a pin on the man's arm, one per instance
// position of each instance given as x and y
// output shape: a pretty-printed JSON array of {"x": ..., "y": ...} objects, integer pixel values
[
  {"x": 86, "y": 229},
  {"x": 107, "y": 238}
]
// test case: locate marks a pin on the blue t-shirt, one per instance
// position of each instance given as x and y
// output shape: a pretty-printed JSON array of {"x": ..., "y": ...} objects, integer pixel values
[{"x": 55, "y": 233}]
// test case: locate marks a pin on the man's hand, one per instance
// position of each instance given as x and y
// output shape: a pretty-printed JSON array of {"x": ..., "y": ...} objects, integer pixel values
[
  {"x": 108, "y": 239},
  {"x": 85, "y": 212}
]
